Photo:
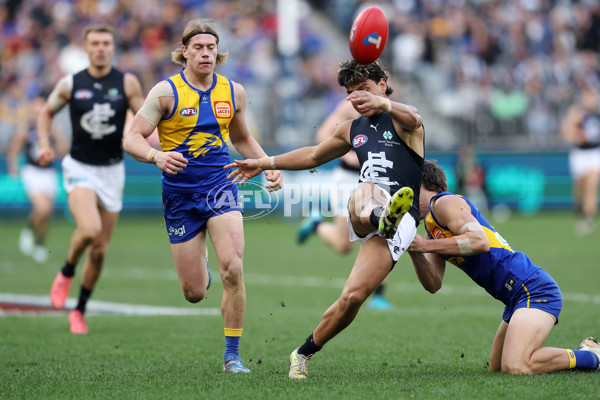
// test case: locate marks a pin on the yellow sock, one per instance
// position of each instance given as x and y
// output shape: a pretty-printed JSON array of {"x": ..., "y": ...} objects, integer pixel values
[{"x": 572, "y": 358}]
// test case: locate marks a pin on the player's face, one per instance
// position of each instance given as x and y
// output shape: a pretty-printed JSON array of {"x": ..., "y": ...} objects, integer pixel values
[
  {"x": 201, "y": 53},
  {"x": 100, "y": 47}
]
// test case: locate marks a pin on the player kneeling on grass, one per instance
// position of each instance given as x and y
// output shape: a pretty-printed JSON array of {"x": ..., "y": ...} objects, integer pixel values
[{"x": 459, "y": 234}]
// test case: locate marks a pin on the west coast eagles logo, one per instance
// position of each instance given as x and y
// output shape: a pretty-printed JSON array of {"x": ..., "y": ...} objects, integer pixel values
[{"x": 202, "y": 143}]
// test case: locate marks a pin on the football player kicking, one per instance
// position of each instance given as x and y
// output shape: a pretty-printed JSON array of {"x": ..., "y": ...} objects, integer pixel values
[
  {"x": 388, "y": 139},
  {"x": 459, "y": 234}
]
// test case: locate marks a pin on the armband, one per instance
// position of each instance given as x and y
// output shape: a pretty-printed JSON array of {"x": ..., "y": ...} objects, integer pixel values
[
  {"x": 388, "y": 107},
  {"x": 152, "y": 156},
  {"x": 464, "y": 245}
]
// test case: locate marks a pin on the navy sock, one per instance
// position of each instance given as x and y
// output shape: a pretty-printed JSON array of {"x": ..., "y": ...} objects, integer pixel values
[
  {"x": 84, "y": 296},
  {"x": 374, "y": 216},
  {"x": 68, "y": 269},
  {"x": 380, "y": 289},
  {"x": 309, "y": 347}
]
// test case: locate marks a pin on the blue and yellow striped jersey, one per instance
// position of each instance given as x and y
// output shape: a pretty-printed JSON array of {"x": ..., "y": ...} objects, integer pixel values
[
  {"x": 500, "y": 271},
  {"x": 198, "y": 128}
]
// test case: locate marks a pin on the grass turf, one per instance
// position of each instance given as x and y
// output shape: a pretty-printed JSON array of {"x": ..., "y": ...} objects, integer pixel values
[{"x": 428, "y": 346}]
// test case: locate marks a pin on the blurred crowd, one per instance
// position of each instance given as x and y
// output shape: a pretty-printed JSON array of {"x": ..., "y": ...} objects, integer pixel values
[
  {"x": 495, "y": 71},
  {"x": 479, "y": 71}
]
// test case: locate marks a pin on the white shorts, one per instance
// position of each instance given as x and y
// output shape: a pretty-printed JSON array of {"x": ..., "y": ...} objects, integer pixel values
[
  {"x": 108, "y": 181},
  {"x": 407, "y": 229},
  {"x": 582, "y": 161},
  {"x": 39, "y": 180},
  {"x": 344, "y": 181}
]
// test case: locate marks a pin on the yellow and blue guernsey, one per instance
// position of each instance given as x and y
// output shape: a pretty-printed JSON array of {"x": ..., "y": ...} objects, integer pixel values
[
  {"x": 508, "y": 275},
  {"x": 198, "y": 128}
]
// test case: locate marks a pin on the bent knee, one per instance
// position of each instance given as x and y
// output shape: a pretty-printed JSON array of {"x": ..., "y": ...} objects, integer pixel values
[
  {"x": 194, "y": 296},
  {"x": 516, "y": 368},
  {"x": 354, "y": 299}
]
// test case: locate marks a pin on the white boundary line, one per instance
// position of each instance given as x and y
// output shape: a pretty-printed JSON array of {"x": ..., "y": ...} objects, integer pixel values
[{"x": 99, "y": 307}]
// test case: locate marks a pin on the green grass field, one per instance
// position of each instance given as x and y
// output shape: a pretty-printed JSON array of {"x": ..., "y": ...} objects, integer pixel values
[{"x": 427, "y": 347}]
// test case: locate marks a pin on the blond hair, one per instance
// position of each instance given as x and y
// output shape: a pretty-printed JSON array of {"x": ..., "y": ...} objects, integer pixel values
[
  {"x": 193, "y": 28},
  {"x": 104, "y": 28}
]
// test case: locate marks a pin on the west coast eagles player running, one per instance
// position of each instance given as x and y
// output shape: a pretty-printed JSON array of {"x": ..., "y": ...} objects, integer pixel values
[
  {"x": 197, "y": 112},
  {"x": 460, "y": 235}
]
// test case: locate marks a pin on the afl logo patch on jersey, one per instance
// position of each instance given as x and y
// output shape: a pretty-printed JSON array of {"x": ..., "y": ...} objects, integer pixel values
[
  {"x": 188, "y": 111},
  {"x": 359, "y": 141},
  {"x": 83, "y": 94},
  {"x": 222, "y": 109}
]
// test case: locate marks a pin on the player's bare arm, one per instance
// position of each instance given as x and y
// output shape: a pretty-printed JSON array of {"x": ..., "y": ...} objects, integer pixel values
[
  {"x": 344, "y": 111},
  {"x": 296, "y": 160},
  {"x": 159, "y": 103},
  {"x": 469, "y": 237},
  {"x": 133, "y": 92},
  {"x": 244, "y": 142},
  {"x": 430, "y": 268},
  {"x": 59, "y": 97}
]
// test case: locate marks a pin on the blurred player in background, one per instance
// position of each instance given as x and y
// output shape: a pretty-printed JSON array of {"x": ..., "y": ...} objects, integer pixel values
[
  {"x": 196, "y": 112},
  {"x": 336, "y": 234},
  {"x": 41, "y": 183},
  {"x": 581, "y": 128},
  {"x": 388, "y": 140},
  {"x": 93, "y": 172},
  {"x": 459, "y": 234}
]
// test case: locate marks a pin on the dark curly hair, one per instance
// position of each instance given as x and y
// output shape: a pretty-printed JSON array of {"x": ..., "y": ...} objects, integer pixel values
[
  {"x": 352, "y": 73},
  {"x": 434, "y": 177}
]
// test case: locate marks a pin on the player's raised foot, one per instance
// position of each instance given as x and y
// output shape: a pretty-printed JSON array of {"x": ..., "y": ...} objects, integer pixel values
[
  {"x": 591, "y": 344},
  {"x": 60, "y": 290},
  {"x": 398, "y": 205},
  {"x": 234, "y": 364},
  {"x": 40, "y": 254},
  {"x": 298, "y": 365},
  {"x": 77, "y": 323},
  {"x": 307, "y": 228}
]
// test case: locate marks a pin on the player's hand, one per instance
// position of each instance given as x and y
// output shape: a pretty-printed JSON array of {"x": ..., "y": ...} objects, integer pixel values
[
  {"x": 171, "y": 162},
  {"x": 246, "y": 169},
  {"x": 274, "y": 176},
  {"x": 417, "y": 245},
  {"x": 364, "y": 101},
  {"x": 45, "y": 156}
]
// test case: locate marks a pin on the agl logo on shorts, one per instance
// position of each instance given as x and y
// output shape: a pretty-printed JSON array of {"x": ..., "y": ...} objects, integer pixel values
[{"x": 177, "y": 231}]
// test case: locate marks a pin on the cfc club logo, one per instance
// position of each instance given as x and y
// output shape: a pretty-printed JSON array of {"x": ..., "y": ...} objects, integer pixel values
[
  {"x": 188, "y": 111},
  {"x": 222, "y": 109},
  {"x": 359, "y": 141}
]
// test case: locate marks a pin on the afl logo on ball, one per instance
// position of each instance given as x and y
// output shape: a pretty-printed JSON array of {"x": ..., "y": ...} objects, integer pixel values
[{"x": 359, "y": 141}]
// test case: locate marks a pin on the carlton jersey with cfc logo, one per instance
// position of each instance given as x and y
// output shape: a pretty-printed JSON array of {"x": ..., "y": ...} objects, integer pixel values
[
  {"x": 384, "y": 157},
  {"x": 590, "y": 125},
  {"x": 198, "y": 128},
  {"x": 98, "y": 108},
  {"x": 501, "y": 272}
]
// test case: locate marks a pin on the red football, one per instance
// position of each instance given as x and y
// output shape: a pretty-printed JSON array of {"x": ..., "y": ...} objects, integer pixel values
[{"x": 368, "y": 35}]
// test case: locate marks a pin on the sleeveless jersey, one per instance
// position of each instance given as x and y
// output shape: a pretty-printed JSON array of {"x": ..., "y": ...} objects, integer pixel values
[
  {"x": 590, "y": 124},
  {"x": 501, "y": 271},
  {"x": 32, "y": 147},
  {"x": 384, "y": 157},
  {"x": 198, "y": 128},
  {"x": 98, "y": 108}
]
